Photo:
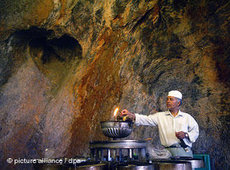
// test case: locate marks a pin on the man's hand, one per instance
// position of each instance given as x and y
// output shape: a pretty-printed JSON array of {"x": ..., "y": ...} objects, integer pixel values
[
  {"x": 126, "y": 113},
  {"x": 181, "y": 135}
]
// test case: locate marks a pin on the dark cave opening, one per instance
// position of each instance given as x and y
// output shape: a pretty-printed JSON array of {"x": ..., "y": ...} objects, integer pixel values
[
  {"x": 43, "y": 45},
  {"x": 64, "y": 48}
]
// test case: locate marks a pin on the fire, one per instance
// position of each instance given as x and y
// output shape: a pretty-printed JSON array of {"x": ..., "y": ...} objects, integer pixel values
[{"x": 115, "y": 111}]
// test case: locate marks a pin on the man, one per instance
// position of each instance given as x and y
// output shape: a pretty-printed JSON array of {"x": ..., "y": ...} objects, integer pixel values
[{"x": 177, "y": 130}]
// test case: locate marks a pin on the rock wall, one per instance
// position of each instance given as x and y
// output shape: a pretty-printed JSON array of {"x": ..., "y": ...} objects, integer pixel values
[{"x": 66, "y": 64}]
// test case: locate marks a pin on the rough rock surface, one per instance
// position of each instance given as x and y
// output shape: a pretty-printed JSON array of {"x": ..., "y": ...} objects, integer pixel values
[{"x": 66, "y": 64}]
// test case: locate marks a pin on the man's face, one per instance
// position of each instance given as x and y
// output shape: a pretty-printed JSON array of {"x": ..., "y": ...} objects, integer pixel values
[{"x": 172, "y": 102}]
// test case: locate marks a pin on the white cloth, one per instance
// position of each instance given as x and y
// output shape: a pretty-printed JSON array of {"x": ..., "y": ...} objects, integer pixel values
[
  {"x": 168, "y": 125},
  {"x": 175, "y": 93}
]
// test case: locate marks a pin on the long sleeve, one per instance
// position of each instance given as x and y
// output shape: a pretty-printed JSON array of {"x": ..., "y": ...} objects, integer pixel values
[
  {"x": 150, "y": 120},
  {"x": 193, "y": 130}
]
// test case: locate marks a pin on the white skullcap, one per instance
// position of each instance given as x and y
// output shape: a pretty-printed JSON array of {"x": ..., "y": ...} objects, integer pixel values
[{"x": 175, "y": 93}]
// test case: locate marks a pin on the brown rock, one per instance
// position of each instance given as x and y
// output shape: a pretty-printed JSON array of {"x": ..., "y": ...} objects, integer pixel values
[{"x": 65, "y": 65}]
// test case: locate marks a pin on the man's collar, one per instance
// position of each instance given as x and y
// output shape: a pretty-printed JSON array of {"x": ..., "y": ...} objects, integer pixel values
[{"x": 169, "y": 113}]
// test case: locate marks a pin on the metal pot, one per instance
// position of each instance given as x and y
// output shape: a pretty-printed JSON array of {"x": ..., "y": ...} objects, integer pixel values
[
  {"x": 47, "y": 166},
  {"x": 100, "y": 166},
  {"x": 135, "y": 166},
  {"x": 95, "y": 165},
  {"x": 116, "y": 129},
  {"x": 195, "y": 162},
  {"x": 173, "y": 165}
]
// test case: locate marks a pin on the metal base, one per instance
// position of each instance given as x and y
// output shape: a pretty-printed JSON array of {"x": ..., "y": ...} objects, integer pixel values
[
  {"x": 116, "y": 144},
  {"x": 118, "y": 150}
]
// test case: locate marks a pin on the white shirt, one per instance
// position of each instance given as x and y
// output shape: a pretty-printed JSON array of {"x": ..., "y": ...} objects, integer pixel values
[{"x": 168, "y": 125}]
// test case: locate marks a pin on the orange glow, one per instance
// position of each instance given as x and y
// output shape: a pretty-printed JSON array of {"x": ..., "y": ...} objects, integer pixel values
[{"x": 115, "y": 111}]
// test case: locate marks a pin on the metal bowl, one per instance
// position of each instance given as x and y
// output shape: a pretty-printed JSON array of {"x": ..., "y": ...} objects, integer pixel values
[
  {"x": 173, "y": 165},
  {"x": 195, "y": 162},
  {"x": 116, "y": 129}
]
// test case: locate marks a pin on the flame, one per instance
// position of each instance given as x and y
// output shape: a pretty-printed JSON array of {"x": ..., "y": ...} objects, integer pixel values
[{"x": 115, "y": 111}]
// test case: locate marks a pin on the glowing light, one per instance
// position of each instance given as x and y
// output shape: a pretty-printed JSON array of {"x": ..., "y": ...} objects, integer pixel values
[{"x": 115, "y": 111}]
